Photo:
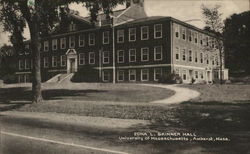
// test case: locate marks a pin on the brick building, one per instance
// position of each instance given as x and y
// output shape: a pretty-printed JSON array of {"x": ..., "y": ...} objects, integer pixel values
[{"x": 135, "y": 48}]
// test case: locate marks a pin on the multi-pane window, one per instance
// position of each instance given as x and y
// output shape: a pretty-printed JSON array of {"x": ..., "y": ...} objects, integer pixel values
[
  {"x": 27, "y": 64},
  {"x": 144, "y": 33},
  {"x": 45, "y": 62},
  {"x": 177, "y": 71},
  {"x": 196, "y": 74},
  {"x": 177, "y": 31},
  {"x": 132, "y": 34},
  {"x": 144, "y": 75},
  {"x": 132, "y": 55},
  {"x": 157, "y": 73},
  {"x": 54, "y": 61},
  {"x": 46, "y": 45},
  {"x": 201, "y": 39},
  {"x": 196, "y": 37},
  {"x": 105, "y": 58},
  {"x": 158, "y": 31},
  {"x": 121, "y": 75},
  {"x": 105, "y": 37},
  {"x": 81, "y": 40},
  {"x": 72, "y": 41},
  {"x": 21, "y": 64},
  {"x": 63, "y": 43},
  {"x": 91, "y": 58},
  {"x": 207, "y": 41},
  {"x": 191, "y": 36},
  {"x": 196, "y": 56},
  {"x": 190, "y": 55},
  {"x": 183, "y": 33},
  {"x": 183, "y": 54},
  {"x": 81, "y": 58},
  {"x": 91, "y": 39},
  {"x": 63, "y": 60},
  {"x": 72, "y": 26},
  {"x": 158, "y": 53},
  {"x": 120, "y": 36},
  {"x": 201, "y": 75},
  {"x": 144, "y": 54},
  {"x": 120, "y": 56},
  {"x": 184, "y": 75},
  {"x": 207, "y": 59},
  {"x": 54, "y": 44},
  {"x": 201, "y": 57},
  {"x": 177, "y": 53},
  {"x": 106, "y": 76},
  {"x": 132, "y": 75}
]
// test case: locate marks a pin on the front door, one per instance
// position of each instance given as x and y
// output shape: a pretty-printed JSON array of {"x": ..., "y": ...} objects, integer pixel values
[{"x": 72, "y": 65}]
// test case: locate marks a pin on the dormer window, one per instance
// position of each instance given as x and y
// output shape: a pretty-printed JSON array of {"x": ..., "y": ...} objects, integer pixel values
[{"x": 72, "y": 26}]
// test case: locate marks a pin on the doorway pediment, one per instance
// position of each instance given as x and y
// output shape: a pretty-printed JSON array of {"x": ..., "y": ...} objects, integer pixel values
[{"x": 71, "y": 52}]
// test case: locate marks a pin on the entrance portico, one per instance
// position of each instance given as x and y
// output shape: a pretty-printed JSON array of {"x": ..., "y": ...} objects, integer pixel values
[{"x": 71, "y": 61}]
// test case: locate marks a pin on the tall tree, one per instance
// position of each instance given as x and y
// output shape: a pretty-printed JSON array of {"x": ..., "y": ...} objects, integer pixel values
[
  {"x": 214, "y": 24},
  {"x": 40, "y": 17},
  {"x": 237, "y": 42}
]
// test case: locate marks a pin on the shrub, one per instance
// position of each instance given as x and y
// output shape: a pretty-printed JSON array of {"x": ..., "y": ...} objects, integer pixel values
[
  {"x": 170, "y": 78},
  {"x": 86, "y": 74}
]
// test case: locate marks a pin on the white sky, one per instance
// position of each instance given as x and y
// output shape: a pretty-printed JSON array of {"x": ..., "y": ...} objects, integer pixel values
[{"x": 181, "y": 9}]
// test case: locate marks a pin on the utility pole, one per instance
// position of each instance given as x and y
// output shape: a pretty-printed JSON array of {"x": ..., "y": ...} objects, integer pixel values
[{"x": 114, "y": 59}]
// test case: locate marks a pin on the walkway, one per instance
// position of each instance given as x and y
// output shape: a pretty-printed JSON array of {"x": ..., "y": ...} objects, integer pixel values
[{"x": 181, "y": 94}]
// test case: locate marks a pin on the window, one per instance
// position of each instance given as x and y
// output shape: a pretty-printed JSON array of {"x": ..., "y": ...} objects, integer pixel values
[
  {"x": 27, "y": 48},
  {"x": 183, "y": 54},
  {"x": 120, "y": 36},
  {"x": 132, "y": 55},
  {"x": 212, "y": 59},
  {"x": 27, "y": 64},
  {"x": 144, "y": 75},
  {"x": 46, "y": 45},
  {"x": 177, "y": 53},
  {"x": 207, "y": 59},
  {"x": 177, "y": 31},
  {"x": 132, "y": 75},
  {"x": 105, "y": 58},
  {"x": 191, "y": 36},
  {"x": 106, "y": 76},
  {"x": 91, "y": 58},
  {"x": 196, "y": 37},
  {"x": 132, "y": 34},
  {"x": 196, "y": 74},
  {"x": 144, "y": 33},
  {"x": 63, "y": 43},
  {"x": 177, "y": 71},
  {"x": 184, "y": 75},
  {"x": 81, "y": 59},
  {"x": 158, "y": 31},
  {"x": 120, "y": 75},
  {"x": 72, "y": 41},
  {"x": 45, "y": 62},
  {"x": 21, "y": 64},
  {"x": 201, "y": 57},
  {"x": 158, "y": 53},
  {"x": 63, "y": 60},
  {"x": 72, "y": 26},
  {"x": 207, "y": 41},
  {"x": 190, "y": 56},
  {"x": 144, "y": 54},
  {"x": 157, "y": 73},
  {"x": 196, "y": 57},
  {"x": 183, "y": 33},
  {"x": 201, "y": 39},
  {"x": 91, "y": 39},
  {"x": 201, "y": 75},
  {"x": 54, "y": 61},
  {"x": 81, "y": 40},
  {"x": 54, "y": 44},
  {"x": 120, "y": 56},
  {"x": 105, "y": 37}
]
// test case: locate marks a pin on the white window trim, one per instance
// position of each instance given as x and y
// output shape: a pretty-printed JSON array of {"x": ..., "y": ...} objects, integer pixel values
[
  {"x": 118, "y": 55},
  {"x": 46, "y": 44},
  {"x": 130, "y": 74},
  {"x": 155, "y": 31},
  {"x": 142, "y": 54},
  {"x": 147, "y": 75},
  {"x": 83, "y": 57},
  {"x": 184, "y": 54},
  {"x": 54, "y": 43},
  {"x": 177, "y": 51},
  {"x": 63, "y": 41},
  {"x": 70, "y": 42},
  {"x": 190, "y": 55},
  {"x": 27, "y": 49},
  {"x": 118, "y": 36},
  {"x": 53, "y": 60},
  {"x": 177, "y": 29},
  {"x": 155, "y": 74},
  {"x": 91, "y": 34},
  {"x": 201, "y": 58},
  {"x": 142, "y": 33},
  {"x": 62, "y": 60},
  {"x": 79, "y": 40},
  {"x": 19, "y": 64},
  {"x": 103, "y": 38},
  {"x": 130, "y": 29},
  {"x": 103, "y": 76},
  {"x": 130, "y": 55},
  {"x": 118, "y": 74},
  {"x": 44, "y": 62},
  {"x": 184, "y": 29},
  {"x": 93, "y": 58},
  {"x": 103, "y": 53},
  {"x": 155, "y": 53},
  {"x": 182, "y": 74}
]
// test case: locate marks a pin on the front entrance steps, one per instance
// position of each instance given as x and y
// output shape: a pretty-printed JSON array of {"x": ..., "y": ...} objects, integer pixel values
[{"x": 59, "y": 78}]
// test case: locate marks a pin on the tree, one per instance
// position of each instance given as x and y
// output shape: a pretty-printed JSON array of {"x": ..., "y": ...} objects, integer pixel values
[
  {"x": 214, "y": 24},
  {"x": 40, "y": 17},
  {"x": 237, "y": 42}
]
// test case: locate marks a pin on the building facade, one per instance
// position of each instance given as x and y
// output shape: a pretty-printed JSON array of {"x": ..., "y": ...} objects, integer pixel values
[{"x": 131, "y": 48}]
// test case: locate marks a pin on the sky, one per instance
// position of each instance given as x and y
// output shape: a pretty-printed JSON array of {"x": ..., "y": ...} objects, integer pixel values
[{"x": 184, "y": 10}]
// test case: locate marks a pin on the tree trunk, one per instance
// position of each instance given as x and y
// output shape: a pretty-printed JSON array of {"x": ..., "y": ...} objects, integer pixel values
[
  {"x": 221, "y": 64},
  {"x": 36, "y": 81}
]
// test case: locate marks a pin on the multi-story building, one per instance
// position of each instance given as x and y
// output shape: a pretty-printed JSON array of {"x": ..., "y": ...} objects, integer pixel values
[{"x": 131, "y": 48}]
